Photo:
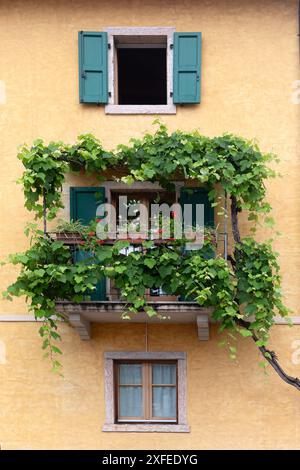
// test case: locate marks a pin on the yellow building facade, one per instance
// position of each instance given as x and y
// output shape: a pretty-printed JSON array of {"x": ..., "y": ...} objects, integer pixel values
[{"x": 250, "y": 75}]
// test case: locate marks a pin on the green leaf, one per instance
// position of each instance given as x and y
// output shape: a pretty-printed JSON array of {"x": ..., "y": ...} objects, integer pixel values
[
  {"x": 245, "y": 333},
  {"x": 150, "y": 311},
  {"x": 150, "y": 262},
  {"x": 120, "y": 269},
  {"x": 56, "y": 350}
]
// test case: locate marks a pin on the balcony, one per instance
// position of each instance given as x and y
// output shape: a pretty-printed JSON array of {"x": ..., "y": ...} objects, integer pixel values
[{"x": 170, "y": 309}]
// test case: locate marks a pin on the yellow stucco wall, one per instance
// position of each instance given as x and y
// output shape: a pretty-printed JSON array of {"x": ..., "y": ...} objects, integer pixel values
[
  {"x": 250, "y": 62},
  {"x": 230, "y": 405}
]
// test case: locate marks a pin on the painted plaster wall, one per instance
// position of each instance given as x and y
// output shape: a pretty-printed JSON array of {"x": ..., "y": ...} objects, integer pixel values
[
  {"x": 250, "y": 62},
  {"x": 229, "y": 405}
]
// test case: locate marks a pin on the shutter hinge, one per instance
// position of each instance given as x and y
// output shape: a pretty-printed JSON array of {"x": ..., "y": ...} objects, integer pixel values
[
  {"x": 109, "y": 94},
  {"x": 171, "y": 94},
  {"x": 109, "y": 46},
  {"x": 171, "y": 46}
]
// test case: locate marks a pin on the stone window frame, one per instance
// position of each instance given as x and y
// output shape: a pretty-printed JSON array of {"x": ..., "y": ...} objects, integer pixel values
[
  {"x": 110, "y": 424},
  {"x": 112, "y": 107}
]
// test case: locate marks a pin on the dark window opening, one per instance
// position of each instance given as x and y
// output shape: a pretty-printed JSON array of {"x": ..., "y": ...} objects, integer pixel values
[{"x": 142, "y": 76}]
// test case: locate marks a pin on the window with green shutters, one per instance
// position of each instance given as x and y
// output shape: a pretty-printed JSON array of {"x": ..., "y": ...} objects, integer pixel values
[{"x": 114, "y": 69}]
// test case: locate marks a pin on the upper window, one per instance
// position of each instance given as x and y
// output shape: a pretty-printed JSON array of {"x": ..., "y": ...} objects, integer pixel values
[{"x": 139, "y": 70}]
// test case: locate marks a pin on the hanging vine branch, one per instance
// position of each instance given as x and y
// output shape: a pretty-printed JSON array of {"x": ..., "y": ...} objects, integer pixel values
[
  {"x": 246, "y": 296},
  {"x": 44, "y": 213},
  {"x": 268, "y": 355},
  {"x": 271, "y": 358},
  {"x": 234, "y": 220}
]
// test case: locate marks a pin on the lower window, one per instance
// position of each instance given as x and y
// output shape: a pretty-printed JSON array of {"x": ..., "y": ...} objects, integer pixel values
[{"x": 146, "y": 392}]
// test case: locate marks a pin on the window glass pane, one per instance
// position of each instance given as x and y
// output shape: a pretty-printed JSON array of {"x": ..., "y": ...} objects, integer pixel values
[
  {"x": 164, "y": 402},
  {"x": 164, "y": 374},
  {"x": 130, "y": 402},
  {"x": 130, "y": 374}
]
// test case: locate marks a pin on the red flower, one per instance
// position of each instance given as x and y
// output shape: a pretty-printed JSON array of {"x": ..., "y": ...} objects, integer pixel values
[
  {"x": 91, "y": 234},
  {"x": 81, "y": 243},
  {"x": 100, "y": 242},
  {"x": 98, "y": 220}
]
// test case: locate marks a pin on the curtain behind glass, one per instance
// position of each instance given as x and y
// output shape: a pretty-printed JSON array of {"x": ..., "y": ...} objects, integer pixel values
[
  {"x": 130, "y": 397},
  {"x": 131, "y": 401},
  {"x": 164, "y": 398}
]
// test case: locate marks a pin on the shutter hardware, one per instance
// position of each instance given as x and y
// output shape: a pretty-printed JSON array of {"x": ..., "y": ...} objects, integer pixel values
[
  {"x": 109, "y": 46},
  {"x": 171, "y": 46}
]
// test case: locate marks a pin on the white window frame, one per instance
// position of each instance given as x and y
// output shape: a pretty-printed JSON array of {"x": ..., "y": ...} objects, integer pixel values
[
  {"x": 110, "y": 424},
  {"x": 112, "y": 107}
]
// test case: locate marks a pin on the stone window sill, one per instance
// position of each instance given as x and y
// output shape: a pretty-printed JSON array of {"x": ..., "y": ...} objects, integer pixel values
[
  {"x": 140, "y": 109},
  {"x": 145, "y": 428}
]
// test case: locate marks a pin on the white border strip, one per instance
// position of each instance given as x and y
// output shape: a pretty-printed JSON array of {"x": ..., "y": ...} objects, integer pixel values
[
  {"x": 20, "y": 318},
  {"x": 30, "y": 318}
]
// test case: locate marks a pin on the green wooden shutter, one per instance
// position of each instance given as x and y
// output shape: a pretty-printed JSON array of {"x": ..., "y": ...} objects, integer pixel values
[
  {"x": 198, "y": 196},
  {"x": 83, "y": 205},
  {"x": 100, "y": 292},
  {"x": 187, "y": 67},
  {"x": 84, "y": 202},
  {"x": 93, "y": 72}
]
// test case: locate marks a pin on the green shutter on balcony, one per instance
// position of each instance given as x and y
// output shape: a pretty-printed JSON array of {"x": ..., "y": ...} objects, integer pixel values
[
  {"x": 196, "y": 196},
  {"x": 93, "y": 72},
  {"x": 100, "y": 292},
  {"x": 187, "y": 67},
  {"x": 83, "y": 205},
  {"x": 84, "y": 202}
]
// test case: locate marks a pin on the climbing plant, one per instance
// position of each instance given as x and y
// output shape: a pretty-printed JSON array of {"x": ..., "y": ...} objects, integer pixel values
[{"x": 243, "y": 290}]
